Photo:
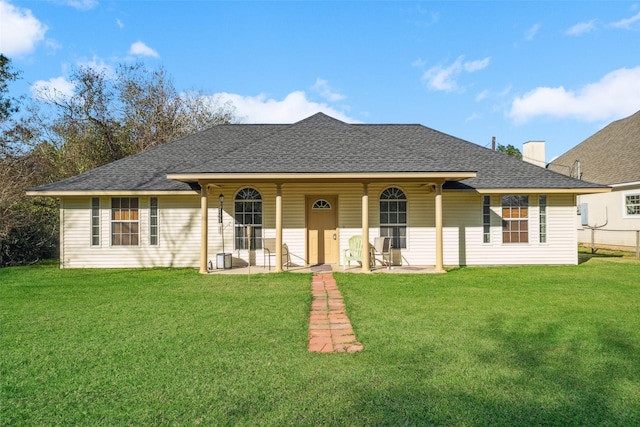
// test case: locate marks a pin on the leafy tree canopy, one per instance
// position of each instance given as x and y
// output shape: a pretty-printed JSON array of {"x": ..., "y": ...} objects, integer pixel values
[{"x": 510, "y": 150}]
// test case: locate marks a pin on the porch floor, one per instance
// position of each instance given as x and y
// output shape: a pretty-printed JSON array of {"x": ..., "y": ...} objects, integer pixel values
[{"x": 322, "y": 268}]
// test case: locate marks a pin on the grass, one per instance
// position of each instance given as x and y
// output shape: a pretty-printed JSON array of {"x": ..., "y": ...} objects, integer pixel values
[{"x": 475, "y": 346}]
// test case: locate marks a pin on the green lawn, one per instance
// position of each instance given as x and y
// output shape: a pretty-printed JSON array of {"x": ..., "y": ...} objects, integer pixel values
[{"x": 476, "y": 346}]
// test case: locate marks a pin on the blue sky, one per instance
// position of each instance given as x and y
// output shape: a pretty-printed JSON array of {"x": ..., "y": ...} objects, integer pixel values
[{"x": 519, "y": 71}]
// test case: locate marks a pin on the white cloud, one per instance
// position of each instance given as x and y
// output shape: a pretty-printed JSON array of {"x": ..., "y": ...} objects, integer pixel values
[
  {"x": 327, "y": 92},
  {"x": 261, "y": 109},
  {"x": 477, "y": 65},
  {"x": 141, "y": 49},
  {"x": 419, "y": 63},
  {"x": 626, "y": 23},
  {"x": 119, "y": 23},
  {"x": 21, "y": 31},
  {"x": 54, "y": 89},
  {"x": 472, "y": 117},
  {"x": 82, "y": 4},
  {"x": 581, "y": 28},
  {"x": 531, "y": 32},
  {"x": 482, "y": 95},
  {"x": 444, "y": 78},
  {"x": 616, "y": 95},
  {"x": 97, "y": 64}
]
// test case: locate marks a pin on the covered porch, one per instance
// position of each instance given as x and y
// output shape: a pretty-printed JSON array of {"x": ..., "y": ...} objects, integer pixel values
[{"x": 210, "y": 185}]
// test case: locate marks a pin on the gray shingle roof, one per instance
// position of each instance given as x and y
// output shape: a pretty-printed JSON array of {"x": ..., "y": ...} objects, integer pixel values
[
  {"x": 610, "y": 156},
  {"x": 318, "y": 144}
]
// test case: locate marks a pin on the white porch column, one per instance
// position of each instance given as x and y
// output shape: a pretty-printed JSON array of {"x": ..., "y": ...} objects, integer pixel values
[
  {"x": 278, "y": 228},
  {"x": 204, "y": 228},
  {"x": 365, "y": 229},
  {"x": 439, "y": 246}
]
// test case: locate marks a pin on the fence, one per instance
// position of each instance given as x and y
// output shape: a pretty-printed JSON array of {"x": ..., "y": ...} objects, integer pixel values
[{"x": 628, "y": 240}]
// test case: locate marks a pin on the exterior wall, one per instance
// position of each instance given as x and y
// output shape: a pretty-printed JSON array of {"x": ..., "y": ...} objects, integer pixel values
[
  {"x": 179, "y": 235},
  {"x": 463, "y": 232},
  {"x": 608, "y": 208},
  {"x": 179, "y": 228}
]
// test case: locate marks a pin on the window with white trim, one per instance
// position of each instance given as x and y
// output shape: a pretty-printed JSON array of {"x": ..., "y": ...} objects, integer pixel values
[
  {"x": 486, "y": 219},
  {"x": 542, "y": 205},
  {"x": 125, "y": 226},
  {"x": 515, "y": 219},
  {"x": 248, "y": 212},
  {"x": 95, "y": 221},
  {"x": 153, "y": 221},
  {"x": 393, "y": 216},
  {"x": 632, "y": 204}
]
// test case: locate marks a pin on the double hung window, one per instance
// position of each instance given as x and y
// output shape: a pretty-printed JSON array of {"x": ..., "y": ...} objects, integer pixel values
[
  {"x": 515, "y": 219},
  {"x": 124, "y": 221},
  {"x": 632, "y": 204}
]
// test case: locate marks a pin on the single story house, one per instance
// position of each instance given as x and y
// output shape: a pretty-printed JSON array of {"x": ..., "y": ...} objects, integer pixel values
[
  {"x": 309, "y": 187},
  {"x": 611, "y": 156}
]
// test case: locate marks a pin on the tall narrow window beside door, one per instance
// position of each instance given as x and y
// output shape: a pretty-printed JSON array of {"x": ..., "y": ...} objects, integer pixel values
[
  {"x": 248, "y": 212},
  {"x": 95, "y": 221},
  {"x": 486, "y": 219},
  {"x": 153, "y": 221},
  {"x": 542, "y": 202},
  {"x": 393, "y": 216}
]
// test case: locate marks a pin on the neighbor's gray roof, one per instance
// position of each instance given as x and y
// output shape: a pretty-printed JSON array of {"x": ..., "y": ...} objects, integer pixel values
[
  {"x": 318, "y": 144},
  {"x": 610, "y": 156}
]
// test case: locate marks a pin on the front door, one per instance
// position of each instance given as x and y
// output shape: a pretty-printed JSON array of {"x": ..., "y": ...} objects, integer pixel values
[{"x": 322, "y": 233}]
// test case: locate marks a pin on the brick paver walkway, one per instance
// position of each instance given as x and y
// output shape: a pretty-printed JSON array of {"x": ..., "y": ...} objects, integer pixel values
[{"x": 329, "y": 327}]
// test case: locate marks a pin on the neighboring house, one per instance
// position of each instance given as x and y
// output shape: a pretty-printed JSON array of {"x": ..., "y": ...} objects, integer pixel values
[
  {"x": 612, "y": 157},
  {"x": 312, "y": 185}
]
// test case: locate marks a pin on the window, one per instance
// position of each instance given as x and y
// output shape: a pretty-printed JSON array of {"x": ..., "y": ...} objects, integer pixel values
[
  {"x": 153, "y": 221},
  {"x": 393, "y": 216},
  {"x": 95, "y": 221},
  {"x": 124, "y": 221},
  {"x": 542, "y": 203},
  {"x": 248, "y": 211},
  {"x": 632, "y": 204},
  {"x": 486, "y": 219},
  {"x": 515, "y": 219},
  {"x": 321, "y": 204}
]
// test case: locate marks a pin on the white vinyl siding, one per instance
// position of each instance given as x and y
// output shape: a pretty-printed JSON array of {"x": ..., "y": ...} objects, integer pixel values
[
  {"x": 179, "y": 247},
  {"x": 179, "y": 221},
  {"x": 610, "y": 209}
]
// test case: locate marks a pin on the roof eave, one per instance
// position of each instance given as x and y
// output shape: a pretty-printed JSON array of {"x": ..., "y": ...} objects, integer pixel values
[
  {"x": 69, "y": 193},
  {"x": 543, "y": 190},
  {"x": 368, "y": 177}
]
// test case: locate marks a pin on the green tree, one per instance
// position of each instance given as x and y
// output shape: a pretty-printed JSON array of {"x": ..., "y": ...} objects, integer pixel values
[
  {"x": 108, "y": 116},
  {"x": 8, "y": 105},
  {"x": 510, "y": 150},
  {"x": 28, "y": 226}
]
